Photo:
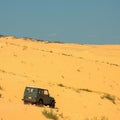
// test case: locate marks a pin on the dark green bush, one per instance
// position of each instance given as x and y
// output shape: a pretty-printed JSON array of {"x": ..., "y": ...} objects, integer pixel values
[
  {"x": 109, "y": 97},
  {"x": 50, "y": 114},
  {"x": 61, "y": 85},
  {"x": 0, "y": 95}
]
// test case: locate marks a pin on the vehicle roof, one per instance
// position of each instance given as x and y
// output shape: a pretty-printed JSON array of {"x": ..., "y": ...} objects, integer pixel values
[{"x": 35, "y": 87}]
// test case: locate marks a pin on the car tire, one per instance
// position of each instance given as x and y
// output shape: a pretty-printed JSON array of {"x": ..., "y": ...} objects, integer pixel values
[
  {"x": 25, "y": 102},
  {"x": 40, "y": 103},
  {"x": 52, "y": 105}
]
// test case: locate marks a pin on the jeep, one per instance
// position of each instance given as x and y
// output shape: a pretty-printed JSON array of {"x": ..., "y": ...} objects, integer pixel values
[{"x": 38, "y": 96}]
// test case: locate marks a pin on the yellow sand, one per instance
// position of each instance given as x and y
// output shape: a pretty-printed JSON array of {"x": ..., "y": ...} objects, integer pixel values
[{"x": 84, "y": 79}]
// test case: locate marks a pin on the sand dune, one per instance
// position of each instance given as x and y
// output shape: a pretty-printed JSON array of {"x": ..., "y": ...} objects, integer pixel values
[{"x": 84, "y": 79}]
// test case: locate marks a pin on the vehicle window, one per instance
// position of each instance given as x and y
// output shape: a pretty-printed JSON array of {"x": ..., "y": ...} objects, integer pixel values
[
  {"x": 40, "y": 92},
  {"x": 45, "y": 92},
  {"x": 30, "y": 90}
]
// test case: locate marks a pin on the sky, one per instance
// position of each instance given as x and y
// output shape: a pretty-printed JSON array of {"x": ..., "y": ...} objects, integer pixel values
[{"x": 69, "y": 21}]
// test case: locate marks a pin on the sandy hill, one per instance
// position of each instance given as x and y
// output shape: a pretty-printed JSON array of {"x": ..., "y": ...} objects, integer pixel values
[{"x": 84, "y": 79}]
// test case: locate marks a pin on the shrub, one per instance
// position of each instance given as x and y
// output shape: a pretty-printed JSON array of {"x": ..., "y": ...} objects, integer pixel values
[
  {"x": 14, "y": 55},
  {"x": 61, "y": 115},
  {"x": 109, "y": 97},
  {"x": 33, "y": 81},
  {"x": 23, "y": 62},
  {"x": 54, "y": 42},
  {"x": 62, "y": 76},
  {"x": 25, "y": 47},
  {"x": 61, "y": 85},
  {"x": 2, "y": 71},
  {"x": 66, "y": 54},
  {"x": 51, "y": 51},
  {"x": 1, "y": 88},
  {"x": 78, "y": 70},
  {"x": 81, "y": 58},
  {"x": 50, "y": 114},
  {"x": 97, "y": 118},
  {"x": 87, "y": 90},
  {"x": 114, "y": 64},
  {"x": 2, "y": 35},
  {"x": 0, "y": 95}
]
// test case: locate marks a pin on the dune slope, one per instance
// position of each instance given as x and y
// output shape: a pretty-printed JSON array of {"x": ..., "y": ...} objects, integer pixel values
[{"x": 84, "y": 79}]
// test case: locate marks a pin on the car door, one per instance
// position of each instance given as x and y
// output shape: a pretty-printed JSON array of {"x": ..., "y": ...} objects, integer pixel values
[{"x": 46, "y": 97}]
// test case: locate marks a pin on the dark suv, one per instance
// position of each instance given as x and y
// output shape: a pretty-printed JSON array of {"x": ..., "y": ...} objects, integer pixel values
[{"x": 38, "y": 96}]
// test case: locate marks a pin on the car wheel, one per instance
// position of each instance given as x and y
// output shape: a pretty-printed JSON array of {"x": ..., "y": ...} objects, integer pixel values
[
  {"x": 25, "y": 102},
  {"x": 52, "y": 105},
  {"x": 40, "y": 103}
]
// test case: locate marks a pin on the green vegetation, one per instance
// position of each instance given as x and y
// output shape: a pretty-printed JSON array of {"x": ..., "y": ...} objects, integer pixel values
[
  {"x": 78, "y": 70},
  {"x": 109, "y": 97},
  {"x": 0, "y": 95},
  {"x": 14, "y": 55},
  {"x": 62, "y": 76},
  {"x": 25, "y": 47},
  {"x": 97, "y": 118},
  {"x": 2, "y": 36},
  {"x": 54, "y": 42},
  {"x": 1, "y": 88},
  {"x": 66, "y": 54},
  {"x": 50, "y": 114},
  {"x": 87, "y": 90},
  {"x": 112, "y": 64},
  {"x": 33, "y": 81},
  {"x": 81, "y": 58},
  {"x": 82, "y": 89},
  {"x": 61, "y": 115},
  {"x": 2, "y": 71},
  {"x": 61, "y": 85},
  {"x": 51, "y": 51},
  {"x": 23, "y": 62}
]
